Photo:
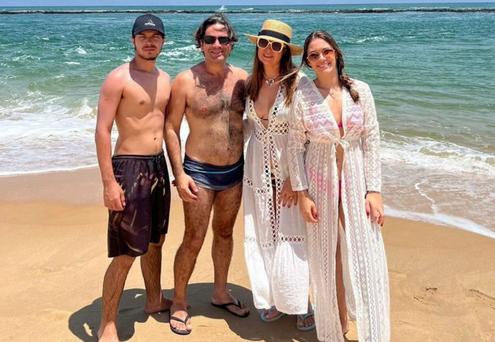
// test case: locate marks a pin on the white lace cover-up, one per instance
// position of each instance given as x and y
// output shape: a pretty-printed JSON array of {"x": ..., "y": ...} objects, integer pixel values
[
  {"x": 275, "y": 236},
  {"x": 313, "y": 138}
]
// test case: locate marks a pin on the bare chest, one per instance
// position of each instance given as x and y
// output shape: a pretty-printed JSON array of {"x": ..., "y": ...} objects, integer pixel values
[
  {"x": 334, "y": 106},
  {"x": 265, "y": 101},
  {"x": 141, "y": 98},
  {"x": 207, "y": 104}
]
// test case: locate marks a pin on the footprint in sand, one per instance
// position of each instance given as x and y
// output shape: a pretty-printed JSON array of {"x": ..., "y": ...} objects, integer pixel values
[
  {"x": 426, "y": 294},
  {"x": 483, "y": 297}
]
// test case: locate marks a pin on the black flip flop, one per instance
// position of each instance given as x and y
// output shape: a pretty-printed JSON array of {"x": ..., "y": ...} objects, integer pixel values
[
  {"x": 177, "y": 330},
  {"x": 225, "y": 307}
]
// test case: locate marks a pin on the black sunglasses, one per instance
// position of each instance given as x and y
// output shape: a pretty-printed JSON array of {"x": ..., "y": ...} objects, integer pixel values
[{"x": 213, "y": 39}]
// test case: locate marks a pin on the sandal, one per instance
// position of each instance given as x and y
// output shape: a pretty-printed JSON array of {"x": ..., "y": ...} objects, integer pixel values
[
  {"x": 177, "y": 330},
  {"x": 235, "y": 302},
  {"x": 274, "y": 318},
  {"x": 300, "y": 322}
]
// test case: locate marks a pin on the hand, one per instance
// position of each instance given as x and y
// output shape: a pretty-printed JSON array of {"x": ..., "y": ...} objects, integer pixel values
[
  {"x": 374, "y": 207},
  {"x": 186, "y": 187},
  {"x": 287, "y": 197},
  {"x": 113, "y": 196},
  {"x": 307, "y": 207}
]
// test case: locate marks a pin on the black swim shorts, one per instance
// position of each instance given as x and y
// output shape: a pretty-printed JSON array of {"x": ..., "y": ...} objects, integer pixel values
[{"x": 144, "y": 219}]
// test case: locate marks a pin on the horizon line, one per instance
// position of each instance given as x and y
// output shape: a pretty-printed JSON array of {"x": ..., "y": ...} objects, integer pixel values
[{"x": 265, "y": 5}]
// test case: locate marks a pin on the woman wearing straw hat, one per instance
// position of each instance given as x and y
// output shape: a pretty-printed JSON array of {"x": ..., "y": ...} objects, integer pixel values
[{"x": 275, "y": 243}]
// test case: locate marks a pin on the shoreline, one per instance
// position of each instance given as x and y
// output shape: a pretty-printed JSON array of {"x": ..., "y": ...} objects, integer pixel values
[
  {"x": 18, "y": 187},
  {"x": 46, "y": 171}
]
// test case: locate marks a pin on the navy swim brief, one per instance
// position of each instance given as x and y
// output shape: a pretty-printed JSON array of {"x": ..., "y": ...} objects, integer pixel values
[{"x": 214, "y": 177}]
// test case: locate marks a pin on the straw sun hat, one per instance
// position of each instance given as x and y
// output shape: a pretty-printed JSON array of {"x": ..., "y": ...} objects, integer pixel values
[{"x": 276, "y": 31}]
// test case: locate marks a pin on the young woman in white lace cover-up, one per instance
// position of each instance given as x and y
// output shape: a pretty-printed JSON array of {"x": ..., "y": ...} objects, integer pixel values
[
  {"x": 275, "y": 246},
  {"x": 335, "y": 167}
]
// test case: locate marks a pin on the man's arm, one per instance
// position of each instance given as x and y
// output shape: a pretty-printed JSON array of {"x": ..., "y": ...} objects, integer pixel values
[
  {"x": 186, "y": 187},
  {"x": 110, "y": 95},
  {"x": 165, "y": 108}
]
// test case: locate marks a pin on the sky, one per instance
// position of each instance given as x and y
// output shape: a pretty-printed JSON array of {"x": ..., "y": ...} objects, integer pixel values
[{"x": 28, "y": 3}]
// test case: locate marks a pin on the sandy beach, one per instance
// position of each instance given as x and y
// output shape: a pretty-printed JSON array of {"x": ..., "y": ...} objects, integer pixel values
[{"x": 53, "y": 252}]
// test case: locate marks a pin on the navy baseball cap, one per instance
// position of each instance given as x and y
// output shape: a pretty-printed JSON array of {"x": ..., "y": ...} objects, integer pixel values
[{"x": 148, "y": 22}]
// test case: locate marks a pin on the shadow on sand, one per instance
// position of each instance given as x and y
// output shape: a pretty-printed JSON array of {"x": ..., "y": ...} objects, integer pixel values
[{"x": 84, "y": 322}]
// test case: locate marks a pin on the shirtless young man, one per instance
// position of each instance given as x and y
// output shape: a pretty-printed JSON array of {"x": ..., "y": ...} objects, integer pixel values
[
  {"x": 135, "y": 179},
  {"x": 211, "y": 96}
]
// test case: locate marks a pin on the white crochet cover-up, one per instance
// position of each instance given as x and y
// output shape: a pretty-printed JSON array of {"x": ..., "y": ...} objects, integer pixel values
[
  {"x": 275, "y": 236},
  {"x": 313, "y": 138}
]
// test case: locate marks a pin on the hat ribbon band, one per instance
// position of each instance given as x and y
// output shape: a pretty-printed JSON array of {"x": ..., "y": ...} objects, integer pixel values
[{"x": 274, "y": 34}]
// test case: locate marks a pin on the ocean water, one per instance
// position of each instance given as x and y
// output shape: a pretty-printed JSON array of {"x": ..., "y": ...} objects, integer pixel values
[{"x": 430, "y": 68}]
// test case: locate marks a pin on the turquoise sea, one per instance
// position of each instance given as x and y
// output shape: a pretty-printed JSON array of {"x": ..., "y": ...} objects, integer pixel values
[{"x": 430, "y": 67}]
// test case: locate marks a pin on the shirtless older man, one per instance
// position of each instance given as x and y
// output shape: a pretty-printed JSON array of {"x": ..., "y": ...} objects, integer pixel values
[
  {"x": 211, "y": 96},
  {"x": 135, "y": 179}
]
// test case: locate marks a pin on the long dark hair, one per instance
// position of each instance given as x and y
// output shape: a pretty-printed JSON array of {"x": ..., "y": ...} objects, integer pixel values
[
  {"x": 286, "y": 68},
  {"x": 344, "y": 79}
]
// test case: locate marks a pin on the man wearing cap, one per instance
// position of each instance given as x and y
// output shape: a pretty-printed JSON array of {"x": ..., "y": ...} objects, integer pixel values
[
  {"x": 135, "y": 180},
  {"x": 211, "y": 96}
]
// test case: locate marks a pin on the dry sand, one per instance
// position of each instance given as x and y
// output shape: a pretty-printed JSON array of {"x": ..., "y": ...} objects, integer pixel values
[{"x": 53, "y": 253}]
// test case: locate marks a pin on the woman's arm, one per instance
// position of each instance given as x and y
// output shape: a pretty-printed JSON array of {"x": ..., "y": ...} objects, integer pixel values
[
  {"x": 371, "y": 154},
  {"x": 371, "y": 142},
  {"x": 297, "y": 171}
]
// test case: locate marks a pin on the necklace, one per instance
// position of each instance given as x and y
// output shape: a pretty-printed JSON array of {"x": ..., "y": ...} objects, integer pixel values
[
  {"x": 277, "y": 79},
  {"x": 271, "y": 81},
  {"x": 330, "y": 91}
]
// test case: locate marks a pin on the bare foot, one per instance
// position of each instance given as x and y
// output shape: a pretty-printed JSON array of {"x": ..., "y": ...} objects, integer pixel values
[
  {"x": 108, "y": 333},
  {"x": 182, "y": 321},
  {"x": 345, "y": 328},
  {"x": 164, "y": 305}
]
